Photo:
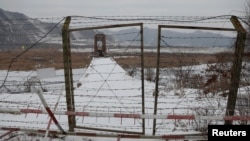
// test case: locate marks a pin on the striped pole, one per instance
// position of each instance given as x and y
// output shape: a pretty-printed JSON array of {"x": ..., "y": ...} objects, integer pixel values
[
  {"x": 122, "y": 115},
  {"x": 50, "y": 120},
  {"x": 50, "y": 112},
  {"x": 199, "y": 136}
]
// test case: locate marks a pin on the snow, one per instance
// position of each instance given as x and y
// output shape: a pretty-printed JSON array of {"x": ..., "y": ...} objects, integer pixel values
[
  {"x": 105, "y": 80},
  {"x": 104, "y": 87},
  {"x": 201, "y": 50}
]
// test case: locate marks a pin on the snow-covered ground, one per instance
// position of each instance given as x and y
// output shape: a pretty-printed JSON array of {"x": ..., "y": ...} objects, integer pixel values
[
  {"x": 163, "y": 50},
  {"x": 105, "y": 92}
]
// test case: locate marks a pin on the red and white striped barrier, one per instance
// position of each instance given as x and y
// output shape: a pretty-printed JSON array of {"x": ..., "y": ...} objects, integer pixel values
[
  {"x": 51, "y": 114},
  {"x": 135, "y": 136},
  {"x": 50, "y": 120},
  {"x": 124, "y": 115}
]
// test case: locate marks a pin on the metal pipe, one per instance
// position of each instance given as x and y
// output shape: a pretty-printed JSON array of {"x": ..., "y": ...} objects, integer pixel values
[
  {"x": 109, "y": 130},
  {"x": 142, "y": 79},
  {"x": 157, "y": 78},
  {"x": 123, "y": 115},
  {"x": 50, "y": 112},
  {"x": 50, "y": 120},
  {"x": 105, "y": 26},
  {"x": 198, "y": 136}
]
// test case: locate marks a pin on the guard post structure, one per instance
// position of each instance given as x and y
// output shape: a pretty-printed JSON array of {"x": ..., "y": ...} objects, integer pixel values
[{"x": 100, "y": 45}]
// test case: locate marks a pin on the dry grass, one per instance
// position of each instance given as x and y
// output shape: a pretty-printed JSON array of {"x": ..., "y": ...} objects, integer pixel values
[
  {"x": 168, "y": 60},
  {"x": 42, "y": 58}
]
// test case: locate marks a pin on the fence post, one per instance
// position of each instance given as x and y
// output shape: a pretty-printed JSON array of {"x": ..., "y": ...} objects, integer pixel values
[
  {"x": 157, "y": 78},
  {"x": 68, "y": 73},
  {"x": 142, "y": 78},
  {"x": 236, "y": 68}
]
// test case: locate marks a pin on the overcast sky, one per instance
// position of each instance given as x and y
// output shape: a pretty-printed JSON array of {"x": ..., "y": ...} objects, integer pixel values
[{"x": 62, "y": 8}]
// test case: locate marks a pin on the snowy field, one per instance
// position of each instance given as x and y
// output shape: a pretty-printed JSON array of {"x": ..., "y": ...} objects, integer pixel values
[
  {"x": 106, "y": 93},
  {"x": 163, "y": 50}
]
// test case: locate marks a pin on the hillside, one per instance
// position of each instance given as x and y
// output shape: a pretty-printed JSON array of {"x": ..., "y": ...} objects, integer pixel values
[
  {"x": 15, "y": 27},
  {"x": 19, "y": 30},
  {"x": 178, "y": 38}
]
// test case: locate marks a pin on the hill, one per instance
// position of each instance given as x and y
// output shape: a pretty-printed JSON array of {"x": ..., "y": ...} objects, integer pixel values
[
  {"x": 178, "y": 38},
  {"x": 20, "y": 30}
]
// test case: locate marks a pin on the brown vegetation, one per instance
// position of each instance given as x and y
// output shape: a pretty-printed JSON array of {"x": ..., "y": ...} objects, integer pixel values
[
  {"x": 39, "y": 58},
  {"x": 43, "y": 58},
  {"x": 216, "y": 77}
]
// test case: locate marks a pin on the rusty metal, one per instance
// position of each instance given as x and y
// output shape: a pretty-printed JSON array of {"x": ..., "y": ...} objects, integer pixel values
[
  {"x": 157, "y": 78},
  {"x": 197, "y": 27},
  {"x": 236, "y": 68},
  {"x": 109, "y": 130},
  {"x": 198, "y": 136},
  {"x": 104, "y": 27},
  {"x": 68, "y": 73},
  {"x": 142, "y": 78}
]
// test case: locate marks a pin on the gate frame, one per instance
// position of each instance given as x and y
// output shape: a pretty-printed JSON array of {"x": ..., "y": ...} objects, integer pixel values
[
  {"x": 68, "y": 71},
  {"x": 236, "y": 68}
]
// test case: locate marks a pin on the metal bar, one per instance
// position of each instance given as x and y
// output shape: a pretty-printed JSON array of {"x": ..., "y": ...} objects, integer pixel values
[
  {"x": 197, "y": 27},
  {"x": 124, "y": 115},
  {"x": 158, "y": 57},
  {"x": 199, "y": 136},
  {"x": 50, "y": 120},
  {"x": 109, "y": 130},
  {"x": 157, "y": 77},
  {"x": 142, "y": 78},
  {"x": 7, "y": 133},
  {"x": 106, "y": 26},
  {"x": 50, "y": 112},
  {"x": 142, "y": 58}
]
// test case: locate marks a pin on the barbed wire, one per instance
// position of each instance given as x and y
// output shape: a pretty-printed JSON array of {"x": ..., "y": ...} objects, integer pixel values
[
  {"x": 156, "y": 18},
  {"x": 100, "y": 103},
  {"x": 33, "y": 45}
]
